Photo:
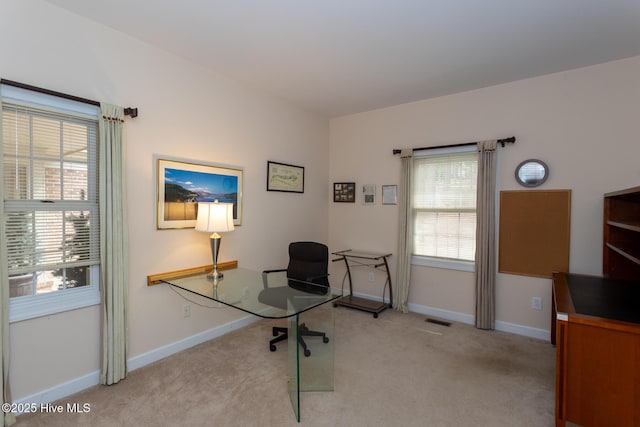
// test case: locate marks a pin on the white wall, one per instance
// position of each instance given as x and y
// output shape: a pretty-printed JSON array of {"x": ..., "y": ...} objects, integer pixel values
[
  {"x": 185, "y": 112},
  {"x": 583, "y": 123}
]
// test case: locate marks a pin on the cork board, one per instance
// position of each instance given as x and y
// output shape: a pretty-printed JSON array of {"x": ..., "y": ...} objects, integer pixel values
[{"x": 535, "y": 228}]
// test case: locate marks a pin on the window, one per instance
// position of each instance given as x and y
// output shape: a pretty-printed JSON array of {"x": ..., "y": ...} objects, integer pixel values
[
  {"x": 444, "y": 205},
  {"x": 51, "y": 203}
]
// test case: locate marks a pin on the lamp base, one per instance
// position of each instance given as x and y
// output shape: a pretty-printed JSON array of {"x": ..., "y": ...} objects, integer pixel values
[{"x": 215, "y": 275}]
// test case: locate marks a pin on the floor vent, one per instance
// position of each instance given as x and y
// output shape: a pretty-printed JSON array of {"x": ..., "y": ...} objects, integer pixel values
[{"x": 437, "y": 322}]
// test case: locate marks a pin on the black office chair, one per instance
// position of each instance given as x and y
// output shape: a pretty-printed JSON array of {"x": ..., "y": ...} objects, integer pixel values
[{"x": 308, "y": 262}]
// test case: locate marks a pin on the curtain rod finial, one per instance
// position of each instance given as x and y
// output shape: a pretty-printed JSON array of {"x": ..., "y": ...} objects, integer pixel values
[
  {"x": 133, "y": 112},
  {"x": 510, "y": 140}
]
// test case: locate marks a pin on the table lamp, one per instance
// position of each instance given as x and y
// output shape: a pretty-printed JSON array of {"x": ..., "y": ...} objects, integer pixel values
[{"x": 213, "y": 218}]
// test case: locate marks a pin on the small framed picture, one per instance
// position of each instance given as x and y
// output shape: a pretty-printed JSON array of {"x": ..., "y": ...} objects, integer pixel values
[
  {"x": 284, "y": 177},
  {"x": 344, "y": 192},
  {"x": 389, "y": 194},
  {"x": 369, "y": 194}
]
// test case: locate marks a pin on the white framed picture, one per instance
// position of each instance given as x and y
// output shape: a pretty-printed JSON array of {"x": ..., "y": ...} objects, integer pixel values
[
  {"x": 389, "y": 194},
  {"x": 369, "y": 194}
]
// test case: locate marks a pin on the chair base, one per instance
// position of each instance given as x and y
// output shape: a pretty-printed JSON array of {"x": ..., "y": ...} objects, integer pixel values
[{"x": 282, "y": 334}]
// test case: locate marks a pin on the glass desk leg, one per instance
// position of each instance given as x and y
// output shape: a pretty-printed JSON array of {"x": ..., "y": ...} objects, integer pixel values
[
  {"x": 294, "y": 365},
  {"x": 310, "y": 369}
]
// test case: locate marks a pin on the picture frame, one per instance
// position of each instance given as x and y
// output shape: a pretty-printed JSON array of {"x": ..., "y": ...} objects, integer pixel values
[
  {"x": 181, "y": 184},
  {"x": 344, "y": 192},
  {"x": 369, "y": 194},
  {"x": 389, "y": 194},
  {"x": 284, "y": 177}
]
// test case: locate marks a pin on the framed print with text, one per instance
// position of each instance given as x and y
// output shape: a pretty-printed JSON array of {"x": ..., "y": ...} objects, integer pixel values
[
  {"x": 369, "y": 194},
  {"x": 284, "y": 177},
  {"x": 389, "y": 194}
]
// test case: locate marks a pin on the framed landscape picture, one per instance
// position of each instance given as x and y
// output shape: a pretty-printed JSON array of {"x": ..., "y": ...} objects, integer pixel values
[{"x": 181, "y": 185}]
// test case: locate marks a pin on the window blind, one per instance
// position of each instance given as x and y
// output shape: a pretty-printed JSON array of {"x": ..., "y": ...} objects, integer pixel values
[
  {"x": 50, "y": 187},
  {"x": 444, "y": 205}
]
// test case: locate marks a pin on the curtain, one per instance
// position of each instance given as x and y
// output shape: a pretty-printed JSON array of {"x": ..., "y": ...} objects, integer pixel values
[
  {"x": 405, "y": 233},
  {"x": 7, "y": 418},
  {"x": 486, "y": 235},
  {"x": 114, "y": 271}
]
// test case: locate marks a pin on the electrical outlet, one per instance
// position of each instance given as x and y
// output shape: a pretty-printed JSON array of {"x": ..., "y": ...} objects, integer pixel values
[
  {"x": 536, "y": 303},
  {"x": 372, "y": 276},
  {"x": 186, "y": 310}
]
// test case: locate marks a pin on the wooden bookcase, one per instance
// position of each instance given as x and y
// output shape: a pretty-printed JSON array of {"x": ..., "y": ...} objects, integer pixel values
[{"x": 621, "y": 252}]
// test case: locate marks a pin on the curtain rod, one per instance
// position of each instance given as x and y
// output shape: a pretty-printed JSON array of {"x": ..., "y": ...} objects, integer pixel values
[
  {"x": 133, "y": 112},
  {"x": 503, "y": 141}
]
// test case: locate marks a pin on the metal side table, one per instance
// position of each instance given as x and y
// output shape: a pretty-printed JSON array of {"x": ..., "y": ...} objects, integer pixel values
[{"x": 374, "y": 260}]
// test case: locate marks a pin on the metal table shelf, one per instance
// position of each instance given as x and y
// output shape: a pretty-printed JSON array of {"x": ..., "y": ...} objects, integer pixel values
[{"x": 374, "y": 260}]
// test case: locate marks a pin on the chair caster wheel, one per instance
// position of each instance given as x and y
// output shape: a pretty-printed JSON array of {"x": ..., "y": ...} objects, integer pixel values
[
  {"x": 272, "y": 347},
  {"x": 375, "y": 315},
  {"x": 275, "y": 333},
  {"x": 325, "y": 339},
  {"x": 335, "y": 305},
  {"x": 307, "y": 353}
]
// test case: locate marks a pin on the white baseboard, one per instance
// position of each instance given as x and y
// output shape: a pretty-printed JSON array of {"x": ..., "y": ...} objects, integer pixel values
[
  {"x": 176, "y": 347},
  {"x": 469, "y": 319},
  {"x": 59, "y": 391},
  {"x": 76, "y": 385},
  {"x": 527, "y": 331}
]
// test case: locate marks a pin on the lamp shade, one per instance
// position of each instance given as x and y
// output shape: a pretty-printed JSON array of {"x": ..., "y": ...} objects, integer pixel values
[{"x": 214, "y": 217}]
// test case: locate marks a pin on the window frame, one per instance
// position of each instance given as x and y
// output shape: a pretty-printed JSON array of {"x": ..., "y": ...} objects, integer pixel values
[
  {"x": 433, "y": 261},
  {"x": 38, "y": 305}
]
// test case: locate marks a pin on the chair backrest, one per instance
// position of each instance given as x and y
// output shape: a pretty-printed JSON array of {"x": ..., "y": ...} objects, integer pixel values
[{"x": 308, "y": 261}]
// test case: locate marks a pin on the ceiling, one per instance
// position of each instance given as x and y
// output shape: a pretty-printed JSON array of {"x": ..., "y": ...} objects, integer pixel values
[{"x": 337, "y": 57}]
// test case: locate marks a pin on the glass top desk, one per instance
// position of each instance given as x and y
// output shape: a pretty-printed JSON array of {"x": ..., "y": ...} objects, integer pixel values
[{"x": 273, "y": 296}]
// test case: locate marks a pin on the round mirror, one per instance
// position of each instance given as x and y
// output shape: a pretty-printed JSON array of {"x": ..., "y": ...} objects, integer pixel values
[{"x": 532, "y": 173}]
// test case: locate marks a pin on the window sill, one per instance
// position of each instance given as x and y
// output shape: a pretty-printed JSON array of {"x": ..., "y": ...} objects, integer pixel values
[
  {"x": 30, "y": 307},
  {"x": 448, "y": 264}
]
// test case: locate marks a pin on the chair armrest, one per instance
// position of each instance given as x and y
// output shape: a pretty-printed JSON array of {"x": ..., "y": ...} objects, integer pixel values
[
  {"x": 273, "y": 271},
  {"x": 265, "y": 273}
]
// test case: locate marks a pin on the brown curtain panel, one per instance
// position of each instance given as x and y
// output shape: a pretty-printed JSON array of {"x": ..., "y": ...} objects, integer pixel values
[{"x": 486, "y": 236}]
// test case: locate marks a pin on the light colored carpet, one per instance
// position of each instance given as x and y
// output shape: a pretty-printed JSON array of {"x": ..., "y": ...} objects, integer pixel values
[{"x": 397, "y": 370}]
